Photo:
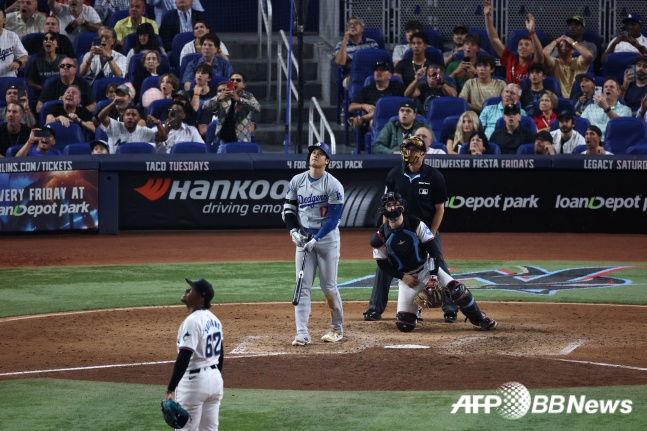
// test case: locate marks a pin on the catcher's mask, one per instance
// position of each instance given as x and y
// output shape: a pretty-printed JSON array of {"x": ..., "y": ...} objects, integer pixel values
[
  {"x": 392, "y": 205},
  {"x": 412, "y": 149}
]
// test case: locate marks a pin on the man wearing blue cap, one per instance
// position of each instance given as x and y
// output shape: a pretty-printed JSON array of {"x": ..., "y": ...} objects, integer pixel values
[
  {"x": 630, "y": 40},
  {"x": 587, "y": 89}
]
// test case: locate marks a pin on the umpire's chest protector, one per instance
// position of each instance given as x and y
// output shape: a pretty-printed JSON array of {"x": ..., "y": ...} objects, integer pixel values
[{"x": 403, "y": 245}]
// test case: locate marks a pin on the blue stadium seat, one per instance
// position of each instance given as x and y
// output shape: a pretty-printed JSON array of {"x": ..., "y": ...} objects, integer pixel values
[
  {"x": 99, "y": 86},
  {"x": 11, "y": 151},
  {"x": 526, "y": 149},
  {"x": 100, "y": 134},
  {"x": 494, "y": 148},
  {"x": 579, "y": 149},
  {"x": 65, "y": 135},
  {"x": 616, "y": 64},
  {"x": 135, "y": 66},
  {"x": 432, "y": 54},
  {"x": 239, "y": 147},
  {"x": 77, "y": 149},
  {"x": 135, "y": 148},
  {"x": 375, "y": 34},
  {"x": 439, "y": 146},
  {"x": 82, "y": 43},
  {"x": 491, "y": 101},
  {"x": 148, "y": 83},
  {"x": 210, "y": 135},
  {"x": 638, "y": 149},
  {"x": 179, "y": 41},
  {"x": 525, "y": 122},
  {"x": 434, "y": 38},
  {"x": 449, "y": 128},
  {"x": 46, "y": 108},
  {"x": 189, "y": 148},
  {"x": 516, "y": 35},
  {"x": 623, "y": 132},
  {"x": 157, "y": 107},
  {"x": 117, "y": 15},
  {"x": 442, "y": 107}
]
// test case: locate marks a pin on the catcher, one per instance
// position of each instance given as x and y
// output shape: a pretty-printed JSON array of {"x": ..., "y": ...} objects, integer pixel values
[{"x": 402, "y": 247}]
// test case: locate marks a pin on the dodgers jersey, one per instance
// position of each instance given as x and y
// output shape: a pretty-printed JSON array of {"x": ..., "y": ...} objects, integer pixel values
[
  {"x": 201, "y": 333},
  {"x": 313, "y": 197}
]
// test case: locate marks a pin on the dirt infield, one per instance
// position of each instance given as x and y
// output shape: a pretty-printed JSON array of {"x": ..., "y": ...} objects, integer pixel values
[{"x": 540, "y": 345}]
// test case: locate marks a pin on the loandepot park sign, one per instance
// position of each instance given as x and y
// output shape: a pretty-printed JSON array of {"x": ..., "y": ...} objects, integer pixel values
[
  {"x": 513, "y": 401},
  {"x": 529, "y": 279}
]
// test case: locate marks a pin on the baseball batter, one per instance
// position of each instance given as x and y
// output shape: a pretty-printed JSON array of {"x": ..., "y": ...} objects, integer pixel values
[
  {"x": 196, "y": 378},
  {"x": 402, "y": 247},
  {"x": 312, "y": 209}
]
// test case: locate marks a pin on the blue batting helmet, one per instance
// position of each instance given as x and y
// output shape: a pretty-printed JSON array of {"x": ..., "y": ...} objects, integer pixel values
[{"x": 323, "y": 147}]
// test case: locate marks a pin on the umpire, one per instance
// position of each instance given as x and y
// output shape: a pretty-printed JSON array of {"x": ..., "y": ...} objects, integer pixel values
[{"x": 423, "y": 187}]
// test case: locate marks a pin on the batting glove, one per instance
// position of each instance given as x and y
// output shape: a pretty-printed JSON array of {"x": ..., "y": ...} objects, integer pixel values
[
  {"x": 308, "y": 246},
  {"x": 297, "y": 238}
]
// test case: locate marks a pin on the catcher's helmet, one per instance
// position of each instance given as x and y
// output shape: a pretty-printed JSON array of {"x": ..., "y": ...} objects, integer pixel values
[
  {"x": 392, "y": 197},
  {"x": 323, "y": 147},
  {"x": 417, "y": 147}
]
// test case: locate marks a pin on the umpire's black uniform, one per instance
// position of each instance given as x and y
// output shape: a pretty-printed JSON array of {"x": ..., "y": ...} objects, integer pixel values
[{"x": 422, "y": 191}]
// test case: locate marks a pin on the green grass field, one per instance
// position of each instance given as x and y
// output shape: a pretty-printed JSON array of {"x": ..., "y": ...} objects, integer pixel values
[{"x": 52, "y": 404}]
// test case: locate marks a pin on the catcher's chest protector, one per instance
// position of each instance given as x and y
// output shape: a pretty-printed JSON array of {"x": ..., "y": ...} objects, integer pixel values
[{"x": 403, "y": 246}]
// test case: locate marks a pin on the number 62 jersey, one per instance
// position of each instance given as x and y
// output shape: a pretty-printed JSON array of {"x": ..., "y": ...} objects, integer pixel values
[{"x": 201, "y": 333}]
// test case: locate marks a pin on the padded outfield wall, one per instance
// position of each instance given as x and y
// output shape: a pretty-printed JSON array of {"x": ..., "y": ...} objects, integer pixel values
[{"x": 567, "y": 193}]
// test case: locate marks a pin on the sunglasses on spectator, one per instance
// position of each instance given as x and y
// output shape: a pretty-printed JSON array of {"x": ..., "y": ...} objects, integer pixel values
[
  {"x": 235, "y": 80},
  {"x": 66, "y": 66}
]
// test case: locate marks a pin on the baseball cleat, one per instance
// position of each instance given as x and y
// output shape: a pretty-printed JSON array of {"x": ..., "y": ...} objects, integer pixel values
[
  {"x": 450, "y": 317},
  {"x": 301, "y": 340},
  {"x": 371, "y": 316},
  {"x": 488, "y": 324},
  {"x": 332, "y": 337}
]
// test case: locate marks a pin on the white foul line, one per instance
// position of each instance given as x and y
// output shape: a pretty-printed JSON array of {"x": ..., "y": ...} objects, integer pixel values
[
  {"x": 57, "y": 370},
  {"x": 627, "y": 367}
]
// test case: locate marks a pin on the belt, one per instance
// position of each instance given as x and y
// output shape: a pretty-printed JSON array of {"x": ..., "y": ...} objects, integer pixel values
[
  {"x": 417, "y": 270},
  {"x": 197, "y": 370},
  {"x": 311, "y": 231}
]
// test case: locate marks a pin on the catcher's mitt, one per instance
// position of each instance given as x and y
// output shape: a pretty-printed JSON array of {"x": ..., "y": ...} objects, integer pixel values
[
  {"x": 433, "y": 295},
  {"x": 174, "y": 414}
]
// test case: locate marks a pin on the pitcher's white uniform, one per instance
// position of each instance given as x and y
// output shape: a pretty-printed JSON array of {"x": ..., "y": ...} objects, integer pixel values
[
  {"x": 201, "y": 388},
  {"x": 313, "y": 198}
]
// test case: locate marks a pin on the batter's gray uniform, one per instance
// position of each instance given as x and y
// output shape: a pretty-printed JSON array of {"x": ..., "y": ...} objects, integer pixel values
[{"x": 315, "y": 204}]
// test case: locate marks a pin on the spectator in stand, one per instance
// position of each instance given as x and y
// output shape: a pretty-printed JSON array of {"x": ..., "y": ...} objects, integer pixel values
[
  {"x": 593, "y": 138},
  {"x": 576, "y": 28},
  {"x": 566, "y": 67},
  {"x": 642, "y": 112},
  {"x": 200, "y": 28},
  {"x": 482, "y": 87},
  {"x": 202, "y": 92},
  {"x": 436, "y": 86},
  {"x": 530, "y": 96},
  {"x": 411, "y": 27},
  {"x": 544, "y": 144},
  {"x": 13, "y": 132},
  {"x": 492, "y": 113},
  {"x": 180, "y": 22},
  {"x": 210, "y": 49},
  {"x": 124, "y": 95},
  {"x": 467, "y": 124},
  {"x": 72, "y": 112},
  {"x": 234, "y": 109},
  {"x": 566, "y": 138},
  {"x": 151, "y": 60},
  {"x": 207, "y": 115},
  {"x": 178, "y": 130},
  {"x": 458, "y": 38},
  {"x": 105, "y": 8},
  {"x": 606, "y": 106},
  {"x": 407, "y": 69},
  {"x": 26, "y": 20},
  {"x": 111, "y": 90},
  {"x": 45, "y": 64},
  {"x": 99, "y": 147},
  {"x": 634, "y": 86},
  {"x": 131, "y": 23},
  {"x": 630, "y": 40},
  {"x": 75, "y": 17},
  {"x": 168, "y": 83},
  {"x": 162, "y": 6},
  {"x": 21, "y": 97},
  {"x": 587, "y": 89},
  {"x": 352, "y": 42},
  {"x": 55, "y": 89},
  {"x": 479, "y": 143},
  {"x": 464, "y": 69},
  {"x": 14, "y": 56},
  {"x": 547, "y": 106},
  {"x": 392, "y": 135},
  {"x": 44, "y": 145},
  {"x": 146, "y": 41},
  {"x": 516, "y": 66},
  {"x": 366, "y": 99},
  {"x": 427, "y": 136},
  {"x": 102, "y": 61},
  {"x": 129, "y": 130},
  {"x": 510, "y": 137},
  {"x": 35, "y": 44}
]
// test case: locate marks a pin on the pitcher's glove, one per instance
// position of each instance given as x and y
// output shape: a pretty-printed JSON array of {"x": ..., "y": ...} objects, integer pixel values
[
  {"x": 432, "y": 296},
  {"x": 174, "y": 414}
]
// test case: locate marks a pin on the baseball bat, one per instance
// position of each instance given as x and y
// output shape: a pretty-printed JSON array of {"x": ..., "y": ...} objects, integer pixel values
[{"x": 297, "y": 289}]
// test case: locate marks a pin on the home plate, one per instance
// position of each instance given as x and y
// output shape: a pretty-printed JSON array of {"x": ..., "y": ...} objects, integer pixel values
[{"x": 407, "y": 346}]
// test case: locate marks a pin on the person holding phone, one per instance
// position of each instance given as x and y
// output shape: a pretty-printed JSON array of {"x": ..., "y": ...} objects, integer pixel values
[
  {"x": 178, "y": 130},
  {"x": 75, "y": 17},
  {"x": 102, "y": 61},
  {"x": 463, "y": 69},
  {"x": 606, "y": 106},
  {"x": 40, "y": 143},
  {"x": 630, "y": 39},
  {"x": 634, "y": 86},
  {"x": 14, "y": 56}
]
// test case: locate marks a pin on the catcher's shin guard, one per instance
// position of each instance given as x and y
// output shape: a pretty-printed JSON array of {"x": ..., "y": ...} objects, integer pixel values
[
  {"x": 406, "y": 322},
  {"x": 462, "y": 297}
]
